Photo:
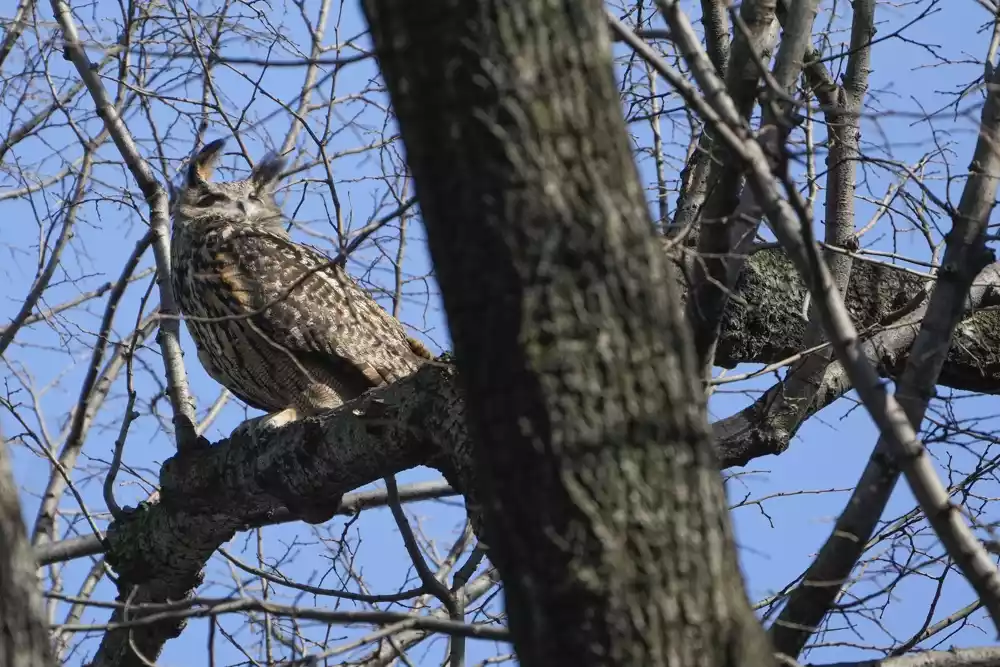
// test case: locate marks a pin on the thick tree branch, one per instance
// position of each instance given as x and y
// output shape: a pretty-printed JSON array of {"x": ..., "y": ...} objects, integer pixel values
[
  {"x": 589, "y": 423},
  {"x": 759, "y": 429},
  {"x": 24, "y": 637},
  {"x": 208, "y": 495},
  {"x": 703, "y": 184},
  {"x": 763, "y": 323},
  {"x": 715, "y": 19}
]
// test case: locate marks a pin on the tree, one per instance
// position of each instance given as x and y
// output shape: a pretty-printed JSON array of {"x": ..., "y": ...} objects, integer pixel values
[
  {"x": 24, "y": 638},
  {"x": 110, "y": 103},
  {"x": 602, "y": 500}
]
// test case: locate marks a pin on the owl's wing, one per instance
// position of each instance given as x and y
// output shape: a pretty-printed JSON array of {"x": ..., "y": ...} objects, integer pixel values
[{"x": 323, "y": 316}]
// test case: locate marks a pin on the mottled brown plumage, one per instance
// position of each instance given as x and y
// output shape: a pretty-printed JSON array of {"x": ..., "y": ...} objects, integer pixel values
[{"x": 283, "y": 344}]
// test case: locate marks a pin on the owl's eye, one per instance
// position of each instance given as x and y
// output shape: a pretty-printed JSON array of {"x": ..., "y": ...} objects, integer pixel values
[
  {"x": 255, "y": 197},
  {"x": 211, "y": 199}
]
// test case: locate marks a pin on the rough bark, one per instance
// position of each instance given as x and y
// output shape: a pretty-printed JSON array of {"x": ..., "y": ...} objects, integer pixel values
[
  {"x": 715, "y": 19},
  {"x": 762, "y": 427},
  {"x": 763, "y": 324},
  {"x": 206, "y": 496},
  {"x": 887, "y": 305},
  {"x": 605, "y": 509},
  {"x": 24, "y": 636}
]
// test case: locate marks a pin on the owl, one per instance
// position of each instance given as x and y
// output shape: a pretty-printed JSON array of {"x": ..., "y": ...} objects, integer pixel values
[{"x": 277, "y": 323}]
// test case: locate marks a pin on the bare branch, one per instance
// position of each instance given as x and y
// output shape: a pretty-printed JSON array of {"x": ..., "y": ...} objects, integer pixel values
[
  {"x": 55, "y": 256},
  {"x": 967, "y": 657},
  {"x": 160, "y": 549},
  {"x": 15, "y": 28},
  {"x": 45, "y": 520},
  {"x": 350, "y": 505},
  {"x": 156, "y": 197},
  {"x": 200, "y": 608},
  {"x": 966, "y": 259}
]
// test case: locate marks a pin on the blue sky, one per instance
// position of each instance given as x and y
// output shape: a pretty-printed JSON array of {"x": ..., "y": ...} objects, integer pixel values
[{"x": 777, "y": 540}]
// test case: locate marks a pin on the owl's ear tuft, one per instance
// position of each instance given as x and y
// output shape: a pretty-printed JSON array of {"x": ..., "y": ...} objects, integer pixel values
[
  {"x": 202, "y": 165},
  {"x": 267, "y": 171}
]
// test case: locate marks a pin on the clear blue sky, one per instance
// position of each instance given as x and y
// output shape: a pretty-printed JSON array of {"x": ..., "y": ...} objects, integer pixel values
[{"x": 829, "y": 452}]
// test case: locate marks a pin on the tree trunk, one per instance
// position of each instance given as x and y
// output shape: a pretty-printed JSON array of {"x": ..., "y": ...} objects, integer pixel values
[
  {"x": 604, "y": 508},
  {"x": 24, "y": 637}
]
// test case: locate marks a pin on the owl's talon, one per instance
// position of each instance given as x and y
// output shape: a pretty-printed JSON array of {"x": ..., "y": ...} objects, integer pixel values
[
  {"x": 248, "y": 429},
  {"x": 253, "y": 428}
]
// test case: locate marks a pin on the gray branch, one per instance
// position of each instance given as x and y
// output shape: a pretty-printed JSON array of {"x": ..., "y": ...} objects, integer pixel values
[
  {"x": 181, "y": 399},
  {"x": 887, "y": 304},
  {"x": 207, "y": 496},
  {"x": 987, "y": 656}
]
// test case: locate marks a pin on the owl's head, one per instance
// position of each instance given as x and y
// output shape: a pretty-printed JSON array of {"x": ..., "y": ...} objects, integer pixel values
[{"x": 249, "y": 201}]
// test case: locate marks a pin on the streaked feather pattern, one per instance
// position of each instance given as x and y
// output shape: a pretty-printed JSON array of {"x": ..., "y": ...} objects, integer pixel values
[{"x": 273, "y": 343}]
